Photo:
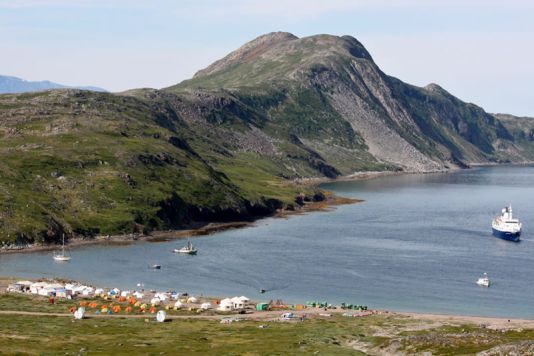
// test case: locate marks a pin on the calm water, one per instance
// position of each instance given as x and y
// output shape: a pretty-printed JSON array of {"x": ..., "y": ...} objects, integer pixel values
[{"x": 418, "y": 243}]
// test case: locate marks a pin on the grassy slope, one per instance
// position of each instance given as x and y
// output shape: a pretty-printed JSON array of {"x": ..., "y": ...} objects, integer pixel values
[{"x": 99, "y": 163}]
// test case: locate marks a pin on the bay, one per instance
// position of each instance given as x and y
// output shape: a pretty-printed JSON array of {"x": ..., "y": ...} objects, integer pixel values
[{"x": 417, "y": 243}]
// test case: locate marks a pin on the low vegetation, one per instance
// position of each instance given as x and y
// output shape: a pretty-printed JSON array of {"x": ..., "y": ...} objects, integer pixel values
[{"x": 337, "y": 334}]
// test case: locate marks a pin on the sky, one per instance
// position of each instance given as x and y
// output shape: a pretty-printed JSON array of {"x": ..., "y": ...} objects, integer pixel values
[{"x": 479, "y": 50}]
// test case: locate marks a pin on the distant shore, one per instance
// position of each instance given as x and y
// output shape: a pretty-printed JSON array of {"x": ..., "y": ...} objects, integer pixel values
[
  {"x": 206, "y": 228},
  {"x": 198, "y": 229}
]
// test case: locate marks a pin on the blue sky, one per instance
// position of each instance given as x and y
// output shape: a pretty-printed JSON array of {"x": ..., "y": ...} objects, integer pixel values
[{"x": 480, "y": 50}]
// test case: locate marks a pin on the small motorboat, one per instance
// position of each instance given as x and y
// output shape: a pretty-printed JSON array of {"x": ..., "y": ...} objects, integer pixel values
[
  {"x": 484, "y": 280},
  {"x": 155, "y": 266},
  {"x": 262, "y": 291},
  {"x": 189, "y": 249}
]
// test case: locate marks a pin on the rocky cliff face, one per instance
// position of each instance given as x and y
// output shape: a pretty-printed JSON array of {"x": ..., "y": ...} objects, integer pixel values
[
  {"x": 401, "y": 126},
  {"x": 228, "y": 143}
]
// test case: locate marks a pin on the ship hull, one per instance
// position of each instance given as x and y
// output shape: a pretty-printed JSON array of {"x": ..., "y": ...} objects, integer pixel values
[{"x": 509, "y": 236}]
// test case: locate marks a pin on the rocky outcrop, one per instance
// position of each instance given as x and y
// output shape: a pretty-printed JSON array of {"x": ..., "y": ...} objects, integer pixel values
[{"x": 315, "y": 85}]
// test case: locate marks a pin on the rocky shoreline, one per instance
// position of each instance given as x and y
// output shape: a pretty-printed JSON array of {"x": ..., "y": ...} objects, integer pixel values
[{"x": 330, "y": 200}]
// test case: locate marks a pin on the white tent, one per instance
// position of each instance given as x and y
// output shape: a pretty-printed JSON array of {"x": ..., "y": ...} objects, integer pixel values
[
  {"x": 34, "y": 287},
  {"x": 192, "y": 300},
  {"x": 206, "y": 306},
  {"x": 226, "y": 305},
  {"x": 87, "y": 291},
  {"x": 25, "y": 283},
  {"x": 162, "y": 296},
  {"x": 55, "y": 286},
  {"x": 178, "y": 304},
  {"x": 155, "y": 301},
  {"x": 237, "y": 303}
]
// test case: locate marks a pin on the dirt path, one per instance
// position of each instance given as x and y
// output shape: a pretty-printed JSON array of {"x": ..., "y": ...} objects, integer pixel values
[{"x": 250, "y": 316}]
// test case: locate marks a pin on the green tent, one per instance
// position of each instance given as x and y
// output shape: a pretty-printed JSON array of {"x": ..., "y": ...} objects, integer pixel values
[{"x": 262, "y": 306}]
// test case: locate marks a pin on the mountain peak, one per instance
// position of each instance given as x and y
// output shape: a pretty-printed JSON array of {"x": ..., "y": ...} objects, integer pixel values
[{"x": 248, "y": 52}]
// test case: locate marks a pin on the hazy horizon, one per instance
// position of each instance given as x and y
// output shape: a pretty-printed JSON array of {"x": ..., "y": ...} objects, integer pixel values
[{"x": 477, "y": 50}]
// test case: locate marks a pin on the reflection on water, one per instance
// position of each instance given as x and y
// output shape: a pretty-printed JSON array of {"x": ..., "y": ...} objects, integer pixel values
[{"x": 418, "y": 242}]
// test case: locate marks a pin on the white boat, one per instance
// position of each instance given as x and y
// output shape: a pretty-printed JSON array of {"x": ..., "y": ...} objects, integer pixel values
[
  {"x": 189, "y": 249},
  {"x": 62, "y": 257},
  {"x": 484, "y": 280},
  {"x": 506, "y": 226}
]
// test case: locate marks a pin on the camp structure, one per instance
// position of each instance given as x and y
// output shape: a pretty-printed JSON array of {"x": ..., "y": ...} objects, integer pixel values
[
  {"x": 262, "y": 306},
  {"x": 226, "y": 305}
]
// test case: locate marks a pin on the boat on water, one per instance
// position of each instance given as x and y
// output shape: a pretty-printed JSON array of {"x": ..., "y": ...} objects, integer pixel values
[
  {"x": 155, "y": 266},
  {"x": 189, "y": 249},
  {"x": 484, "y": 280},
  {"x": 506, "y": 226},
  {"x": 62, "y": 257}
]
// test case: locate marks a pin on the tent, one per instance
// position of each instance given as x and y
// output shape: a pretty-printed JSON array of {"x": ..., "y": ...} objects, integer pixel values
[
  {"x": 262, "y": 306},
  {"x": 162, "y": 296},
  {"x": 25, "y": 283},
  {"x": 206, "y": 306},
  {"x": 226, "y": 305},
  {"x": 238, "y": 303}
]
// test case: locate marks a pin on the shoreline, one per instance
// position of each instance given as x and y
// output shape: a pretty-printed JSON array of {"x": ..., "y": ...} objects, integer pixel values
[
  {"x": 490, "y": 322},
  {"x": 201, "y": 228},
  {"x": 206, "y": 228}
]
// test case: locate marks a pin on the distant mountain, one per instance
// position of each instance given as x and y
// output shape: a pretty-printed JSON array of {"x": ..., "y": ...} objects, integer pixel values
[{"x": 10, "y": 84}]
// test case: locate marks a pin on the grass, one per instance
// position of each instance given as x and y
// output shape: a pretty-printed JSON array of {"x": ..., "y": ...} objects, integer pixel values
[
  {"x": 334, "y": 335},
  {"x": 53, "y": 335},
  {"x": 111, "y": 168}
]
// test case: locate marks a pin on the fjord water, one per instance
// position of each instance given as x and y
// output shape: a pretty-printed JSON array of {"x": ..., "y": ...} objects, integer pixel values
[{"x": 417, "y": 243}]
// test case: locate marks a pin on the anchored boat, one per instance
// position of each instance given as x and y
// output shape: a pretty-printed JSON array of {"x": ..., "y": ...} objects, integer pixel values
[
  {"x": 62, "y": 257},
  {"x": 484, "y": 280},
  {"x": 505, "y": 226},
  {"x": 189, "y": 249}
]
